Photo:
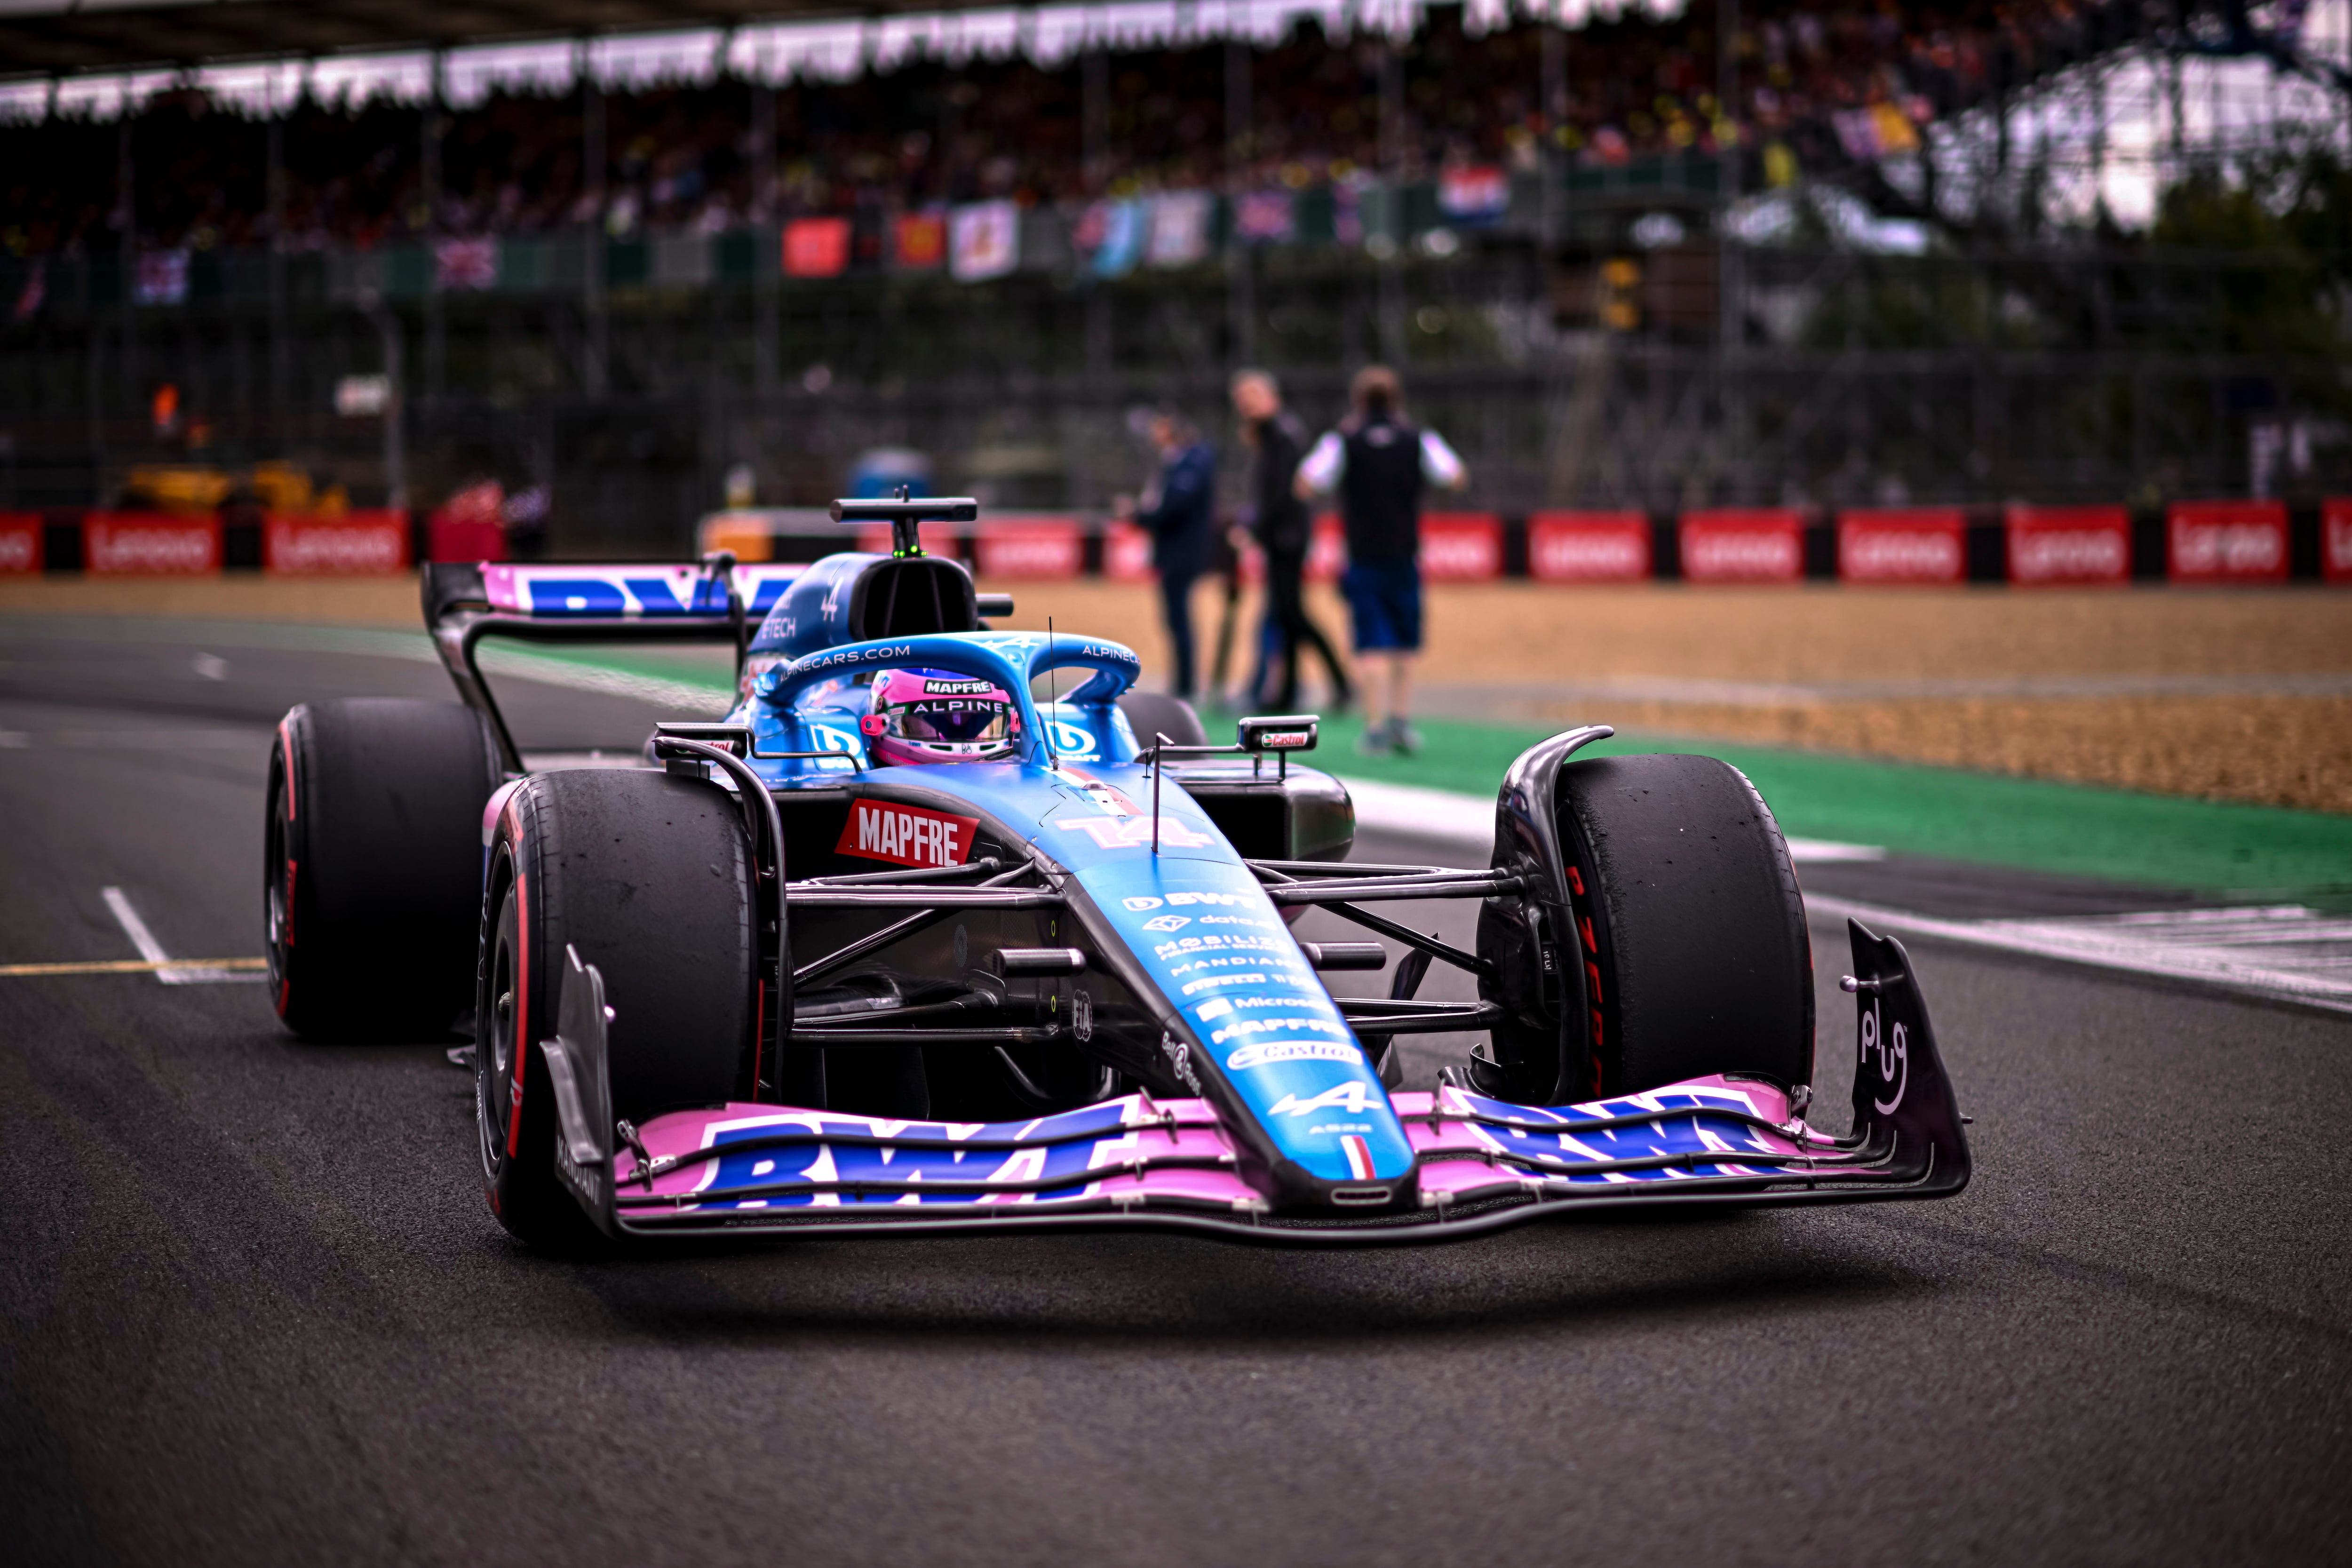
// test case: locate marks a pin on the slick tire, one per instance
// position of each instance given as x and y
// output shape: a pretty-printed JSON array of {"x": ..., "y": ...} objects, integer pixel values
[
  {"x": 372, "y": 865},
  {"x": 1150, "y": 713},
  {"x": 648, "y": 877},
  {"x": 1689, "y": 920}
]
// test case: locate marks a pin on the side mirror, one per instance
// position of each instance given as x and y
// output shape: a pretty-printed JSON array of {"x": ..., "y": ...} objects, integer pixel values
[{"x": 1281, "y": 732}]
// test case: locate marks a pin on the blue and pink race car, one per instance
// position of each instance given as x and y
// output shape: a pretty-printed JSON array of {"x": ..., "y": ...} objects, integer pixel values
[{"x": 942, "y": 928}]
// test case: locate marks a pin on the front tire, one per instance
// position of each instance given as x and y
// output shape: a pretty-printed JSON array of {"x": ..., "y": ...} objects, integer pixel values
[
  {"x": 372, "y": 870},
  {"x": 1689, "y": 922},
  {"x": 649, "y": 879}
]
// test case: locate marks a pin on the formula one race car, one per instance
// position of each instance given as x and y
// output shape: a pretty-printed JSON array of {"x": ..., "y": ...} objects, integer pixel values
[{"x": 943, "y": 927}]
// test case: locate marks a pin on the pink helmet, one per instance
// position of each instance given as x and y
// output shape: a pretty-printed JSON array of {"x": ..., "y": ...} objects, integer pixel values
[{"x": 936, "y": 716}]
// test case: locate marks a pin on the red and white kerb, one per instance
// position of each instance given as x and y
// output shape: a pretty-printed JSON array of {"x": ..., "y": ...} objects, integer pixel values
[{"x": 907, "y": 835}]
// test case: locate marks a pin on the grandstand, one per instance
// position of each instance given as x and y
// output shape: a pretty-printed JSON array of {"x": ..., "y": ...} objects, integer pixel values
[{"x": 1662, "y": 257}]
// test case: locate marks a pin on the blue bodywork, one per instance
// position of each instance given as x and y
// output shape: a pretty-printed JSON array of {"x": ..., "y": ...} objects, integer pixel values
[{"x": 1245, "y": 1020}]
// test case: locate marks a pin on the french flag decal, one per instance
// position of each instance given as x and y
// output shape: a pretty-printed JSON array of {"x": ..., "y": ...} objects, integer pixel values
[{"x": 1360, "y": 1156}]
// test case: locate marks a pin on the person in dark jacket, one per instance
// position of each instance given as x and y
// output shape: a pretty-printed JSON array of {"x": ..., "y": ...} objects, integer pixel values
[
  {"x": 1178, "y": 508},
  {"x": 1380, "y": 465},
  {"x": 1284, "y": 531}
]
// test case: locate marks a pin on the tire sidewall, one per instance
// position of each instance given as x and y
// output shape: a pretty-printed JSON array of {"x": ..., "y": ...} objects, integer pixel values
[{"x": 1774, "y": 1038}]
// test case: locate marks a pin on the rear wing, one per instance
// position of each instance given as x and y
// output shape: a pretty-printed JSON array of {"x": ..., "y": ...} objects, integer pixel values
[{"x": 716, "y": 601}]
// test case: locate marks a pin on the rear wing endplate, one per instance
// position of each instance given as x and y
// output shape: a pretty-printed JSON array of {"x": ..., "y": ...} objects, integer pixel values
[{"x": 716, "y": 601}]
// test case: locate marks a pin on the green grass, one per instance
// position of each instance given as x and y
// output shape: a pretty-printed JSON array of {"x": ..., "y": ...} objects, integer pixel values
[
  {"x": 1947, "y": 812},
  {"x": 1950, "y": 813}
]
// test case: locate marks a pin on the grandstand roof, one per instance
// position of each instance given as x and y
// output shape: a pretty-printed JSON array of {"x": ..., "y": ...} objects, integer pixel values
[{"x": 68, "y": 36}]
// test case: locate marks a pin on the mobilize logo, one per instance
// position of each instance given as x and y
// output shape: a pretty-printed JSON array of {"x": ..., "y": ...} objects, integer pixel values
[
  {"x": 1192, "y": 944},
  {"x": 907, "y": 835}
]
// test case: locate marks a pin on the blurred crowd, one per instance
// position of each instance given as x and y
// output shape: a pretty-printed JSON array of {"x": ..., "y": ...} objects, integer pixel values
[{"x": 1822, "y": 82}]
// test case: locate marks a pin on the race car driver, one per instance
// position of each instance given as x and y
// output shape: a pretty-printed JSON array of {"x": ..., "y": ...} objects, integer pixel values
[{"x": 934, "y": 716}]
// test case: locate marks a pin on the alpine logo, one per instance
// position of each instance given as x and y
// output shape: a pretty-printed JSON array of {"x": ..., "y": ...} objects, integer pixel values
[
  {"x": 1354, "y": 1096},
  {"x": 907, "y": 835}
]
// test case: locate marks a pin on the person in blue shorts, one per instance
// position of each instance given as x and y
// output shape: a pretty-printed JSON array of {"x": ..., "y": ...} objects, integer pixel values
[{"x": 1379, "y": 464}]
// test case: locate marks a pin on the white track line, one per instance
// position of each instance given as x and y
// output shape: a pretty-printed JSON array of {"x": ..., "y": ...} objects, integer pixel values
[
  {"x": 2283, "y": 952},
  {"x": 152, "y": 951}
]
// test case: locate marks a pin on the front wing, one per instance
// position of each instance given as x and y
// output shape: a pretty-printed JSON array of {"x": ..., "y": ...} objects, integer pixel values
[{"x": 1136, "y": 1162}]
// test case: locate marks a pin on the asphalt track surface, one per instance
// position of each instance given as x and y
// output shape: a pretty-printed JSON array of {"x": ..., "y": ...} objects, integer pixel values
[{"x": 254, "y": 1310}]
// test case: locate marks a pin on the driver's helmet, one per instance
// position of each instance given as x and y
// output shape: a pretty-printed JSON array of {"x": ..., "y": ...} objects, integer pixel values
[{"x": 937, "y": 716}]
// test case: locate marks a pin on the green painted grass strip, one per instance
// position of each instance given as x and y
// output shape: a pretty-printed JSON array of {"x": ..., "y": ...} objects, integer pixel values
[{"x": 1996, "y": 819}]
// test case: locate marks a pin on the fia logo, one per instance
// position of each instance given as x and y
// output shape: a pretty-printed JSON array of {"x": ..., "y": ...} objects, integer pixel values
[{"x": 1893, "y": 1059}]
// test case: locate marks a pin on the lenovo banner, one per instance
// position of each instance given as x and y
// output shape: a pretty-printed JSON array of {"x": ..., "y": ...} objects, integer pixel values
[
  {"x": 2226, "y": 541},
  {"x": 2059, "y": 545},
  {"x": 1031, "y": 549},
  {"x": 134, "y": 544},
  {"x": 1461, "y": 546},
  {"x": 1326, "y": 551},
  {"x": 20, "y": 543},
  {"x": 2336, "y": 538},
  {"x": 1588, "y": 546},
  {"x": 362, "y": 544},
  {"x": 1126, "y": 554},
  {"x": 1744, "y": 544},
  {"x": 1910, "y": 545}
]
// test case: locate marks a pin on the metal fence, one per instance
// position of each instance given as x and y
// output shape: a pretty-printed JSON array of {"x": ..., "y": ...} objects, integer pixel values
[{"x": 631, "y": 377}]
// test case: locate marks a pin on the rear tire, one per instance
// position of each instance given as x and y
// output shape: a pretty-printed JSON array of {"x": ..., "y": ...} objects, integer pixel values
[
  {"x": 649, "y": 879},
  {"x": 1150, "y": 714},
  {"x": 373, "y": 875},
  {"x": 1689, "y": 922}
]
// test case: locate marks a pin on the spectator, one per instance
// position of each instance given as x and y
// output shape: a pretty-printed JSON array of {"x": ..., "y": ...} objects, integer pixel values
[
  {"x": 1380, "y": 465},
  {"x": 1284, "y": 531},
  {"x": 1179, "y": 508}
]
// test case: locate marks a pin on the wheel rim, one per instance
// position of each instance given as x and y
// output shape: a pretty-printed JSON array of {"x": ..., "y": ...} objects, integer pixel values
[
  {"x": 275, "y": 880},
  {"x": 493, "y": 1054}
]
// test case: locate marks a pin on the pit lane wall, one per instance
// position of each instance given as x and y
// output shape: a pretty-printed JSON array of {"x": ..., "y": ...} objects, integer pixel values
[{"x": 2214, "y": 542}]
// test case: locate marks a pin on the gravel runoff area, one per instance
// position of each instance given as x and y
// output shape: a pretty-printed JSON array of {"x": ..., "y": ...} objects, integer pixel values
[{"x": 2242, "y": 695}]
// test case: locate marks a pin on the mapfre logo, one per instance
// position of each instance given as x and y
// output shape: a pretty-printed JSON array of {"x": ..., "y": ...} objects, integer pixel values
[{"x": 907, "y": 835}]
